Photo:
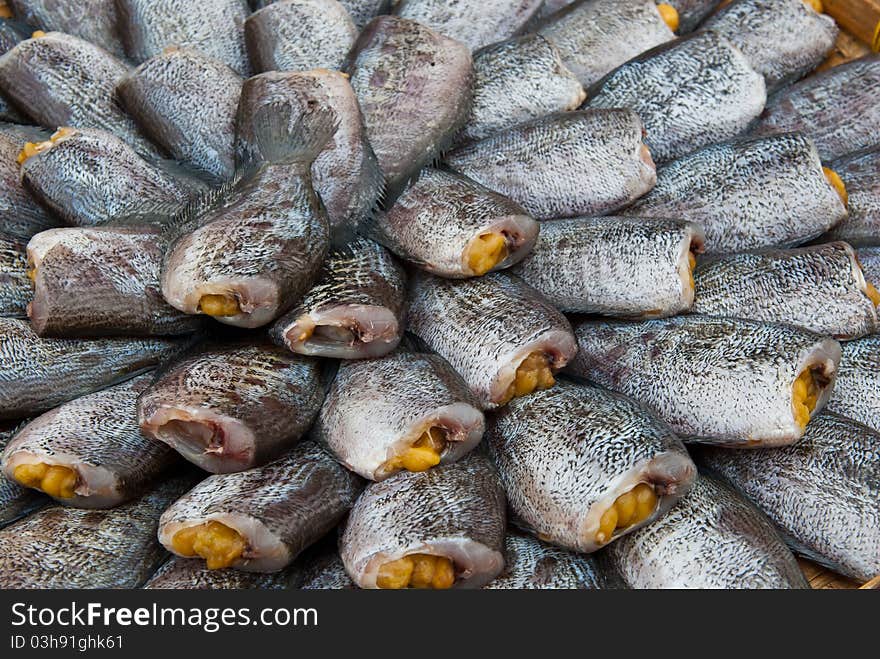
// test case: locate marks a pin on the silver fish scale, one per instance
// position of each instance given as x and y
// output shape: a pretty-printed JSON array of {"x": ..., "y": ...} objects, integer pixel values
[
  {"x": 837, "y": 108},
  {"x": 16, "y": 288},
  {"x": 15, "y": 501},
  {"x": 92, "y": 20},
  {"x": 692, "y": 12},
  {"x": 689, "y": 94},
  {"x": 40, "y": 374},
  {"x": 616, "y": 266},
  {"x": 61, "y": 80},
  {"x": 186, "y": 102},
  {"x": 20, "y": 215},
  {"x": 73, "y": 548},
  {"x": 326, "y": 573},
  {"x": 861, "y": 175},
  {"x": 715, "y": 379},
  {"x": 299, "y": 498},
  {"x": 562, "y": 450},
  {"x": 532, "y": 564},
  {"x": 748, "y": 194},
  {"x": 476, "y": 24},
  {"x": 821, "y": 492},
  {"x": 713, "y": 539},
  {"x": 191, "y": 574},
  {"x": 462, "y": 502},
  {"x": 597, "y": 36},
  {"x": 216, "y": 29},
  {"x": 783, "y": 40},
  {"x": 362, "y": 11},
  {"x": 564, "y": 165},
  {"x": 869, "y": 258},
  {"x": 478, "y": 324},
  {"x": 519, "y": 80},
  {"x": 818, "y": 288},
  {"x": 374, "y": 404},
  {"x": 857, "y": 389}
]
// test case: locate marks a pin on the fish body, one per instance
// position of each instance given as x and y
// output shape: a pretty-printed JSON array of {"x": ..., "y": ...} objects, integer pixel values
[
  {"x": 92, "y": 20},
  {"x": 689, "y": 93},
  {"x": 857, "y": 391},
  {"x": 191, "y": 574},
  {"x": 692, "y": 12},
  {"x": 869, "y": 259},
  {"x": 11, "y": 33},
  {"x": 231, "y": 409},
  {"x": 15, "y": 501},
  {"x": 20, "y": 215},
  {"x": 713, "y": 539},
  {"x": 616, "y": 266},
  {"x": 363, "y": 11},
  {"x": 354, "y": 311},
  {"x": 16, "y": 288},
  {"x": 861, "y": 176},
  {"x": 327, "y": 572},
  {"x": 748, "y": 194},
  {"x": 718, "y": 380},
  {"x": 564, "y": 165}
]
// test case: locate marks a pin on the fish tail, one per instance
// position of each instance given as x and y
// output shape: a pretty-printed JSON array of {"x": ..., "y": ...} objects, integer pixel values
[{"x": 279, "y": 138}]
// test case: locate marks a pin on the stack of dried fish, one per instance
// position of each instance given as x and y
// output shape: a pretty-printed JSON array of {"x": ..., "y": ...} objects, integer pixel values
[{"x": 494, "y": 293}]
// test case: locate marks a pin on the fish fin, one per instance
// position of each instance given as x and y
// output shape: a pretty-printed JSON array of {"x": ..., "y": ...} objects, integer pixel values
[
  {"x": 279, "y": 139},
  {"x": 801, "y": 550}
]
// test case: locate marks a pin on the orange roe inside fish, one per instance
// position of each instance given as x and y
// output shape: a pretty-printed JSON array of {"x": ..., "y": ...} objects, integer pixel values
[
  {"x": 38, "y": 34},
  {"x": 219, "y": 305},
  {"x": 534, "y": 374},
  {"x": 629, "y": 509},
  {"x": 422, "y": 455},
  {"x": 669, "y": 14},
  {"x": 5, "y": 11},
  {"x": 218, "y": 544},
  {"x": 31, "y": 149},
  {"x": 692, "y": 265},
  {"x": 417, "y": 571},
  {"x": 485, "y": 252},
  {"x": 804, "y": 396},
  {"x": 816, "y": 4},
  {"x": 873, "y": 294},
  {"x": 837, "y": 183},
  {"x": 56, "y": 481}
]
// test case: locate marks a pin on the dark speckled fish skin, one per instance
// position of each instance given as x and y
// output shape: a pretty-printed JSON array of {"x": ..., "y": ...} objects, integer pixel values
[
  {"x": 436, "y": 219},
  {"x": 597, "y": 36},
  {"x": 715, "y": 93},
  {"x": 361, "y": 11},
  {"x": 97, "y": 436},
  {"x": 821, "y": 289},
  {"x": 530, "y": 564},
  {"x": 39, "y": 374},
  {"x": 821, "y": 493},
  {"x": 861, "y": 176},
  {"x": 615, "y": 266},
  {"x": 837, "y": 108},
  {"x": 782, "y": 39},
  {"x": 869, "y": 257},
  {"x": 414, "y": 87},
  {"x": 714, "y": 380},
  {"x": 565, "y": 454},
  {"x": 92, "y": 20},
  {"x": 456, "y": 511},
  {"x": 748, "y": 194},
  {"x": 16, "y": 288},
  {"x": 692, "y": 12},
  {"x": 254, "y": 401},
  {"x": 61, "y": 80},
  {"x": 102, "y": 281},
  {"x": 326, "y": 572},
  {"x": 564, "y": 165},
  {"x": 486, "y": 327},
  {"x": 713, "y": 539},
  {"x": 186, "y": 102},
  {"x": 20, "y": 214},
  {"x": 359, "y": 298},
  {"x": 92, "y": 177},
  {"x": 61, "y": 547},
  {"x": 191, "y": 574},
  {"x": 11, "y": 32},
  {"x": 376, "y": 409},
  {"x": 474, "y": 23},
  {"x": 857, "y": 391},
  {"x": 215, "y": 28},
  {"x": 280, "y": 509},
  {"x": 300, "y": 36},
  {"x": 519, "y": 80},
  {"x": 15, "y": 501}
]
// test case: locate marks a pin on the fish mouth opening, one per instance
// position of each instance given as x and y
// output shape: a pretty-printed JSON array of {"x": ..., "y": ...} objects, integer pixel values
[
  {"x": 214, "y": 442},
  {"x": 57, "y": 481},
  {"x": 247, "y": 303},
  {"x": 206, "y": 436},
  {"x": 808, "y": 390},
  {"x": 419, "y": 571},
  {"x": 687, "y": 264},
  {"x": 345, "y": 332}
]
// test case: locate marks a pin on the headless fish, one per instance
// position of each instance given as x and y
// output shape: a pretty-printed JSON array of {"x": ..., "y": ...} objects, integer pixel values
[
  {"x": 616, "y": 266},
  {"x": 15, "y": 501},
  {"x": 821, "y": 493},
  {"x": 101, "y": 281},
  {"x": 16, "y": 288},
  {"x": 861, "y": 176},
  {"x": 583, "y": 467},
  {"x": 687, "y": 369},
  {"x": 748, "y": 194},
  {"x": 705, "y": 79},
  {"x": 500, "y": 334},
  {"x": 403, "y": 412},
  {"x": 39, "y": 374},
  {"x": 89, "y": 453},
  {"x": 837, "y": 108},
  {"x": 713, "y": 539},
  {"x": 821, "y": 289},
  {"x": 355, "y": 311},
  {"x": 857, "y": 390},
  {"x": 186, "y": 102},
  {"x": 191, "y": 574},
  {"x": 414, "y": 87},
  {"x": 454, "y": 227},
  {"x": 61, "y": 547},
  {"x": 564, "y": 165},
  {"x": 91, "y": 20},
  {"x": 215, "y": 28},
  {"x": 300, "y": 36},
  {"x": 20, "y": 215},
  {"x": 439, "y": 529},
  {"x": 516, "y": 81},
  {"x": 260, "y": 520},
  {"x": 231, "y": 409}
]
